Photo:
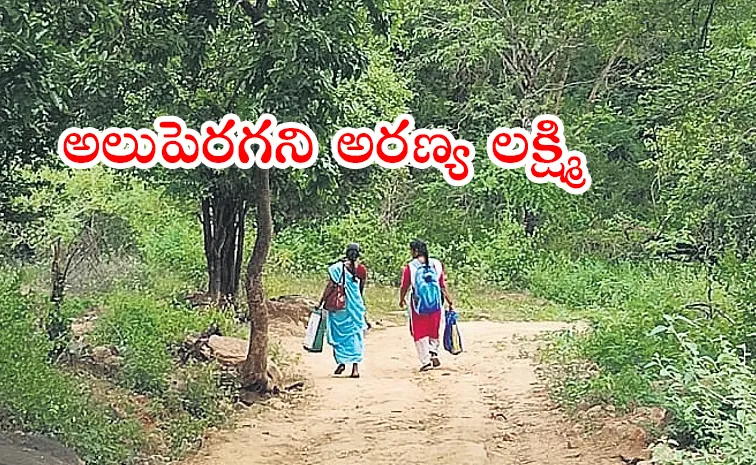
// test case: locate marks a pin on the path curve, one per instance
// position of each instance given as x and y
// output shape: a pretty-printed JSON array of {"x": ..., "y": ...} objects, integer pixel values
[{"x": 483, "y": 407}]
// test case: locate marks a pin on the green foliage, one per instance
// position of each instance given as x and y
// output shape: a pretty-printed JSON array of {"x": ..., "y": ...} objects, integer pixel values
[
  {"x": 658, "y": 95},
  {"x": 649, "y": 345},
  {"x": 624, "y": 303},
  {"x": 197, "y": 399},
  {"x": 712, "y": 399},
  {"x": 37, "y": 397},
  {"x": 740, "y": 279},
  {"x": 148, "y": 330},
  {"x": 504, "y": 260},
  {"x": 32, "y": 101},
  {"x": 304, "y": 249},
  {"x": 131, "y": 229},
  {"x": 705, "y": 165}
]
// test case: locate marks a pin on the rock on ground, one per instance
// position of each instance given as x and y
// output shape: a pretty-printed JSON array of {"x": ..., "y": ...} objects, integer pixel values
[
  {"x": 22, "y": 449},
  {"x": 229, "y": 351}
]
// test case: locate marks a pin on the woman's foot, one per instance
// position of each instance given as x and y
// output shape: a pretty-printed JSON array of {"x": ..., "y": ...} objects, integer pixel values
[
  {"x": 434, "y": 360},
  {"x": 427, "y": 367},
  {"x": 340, "y": 369},
  {"x": 355, "y": 371}
]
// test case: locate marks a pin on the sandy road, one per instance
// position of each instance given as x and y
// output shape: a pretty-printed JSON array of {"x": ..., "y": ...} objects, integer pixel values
[{"x": 481, "y": 407}]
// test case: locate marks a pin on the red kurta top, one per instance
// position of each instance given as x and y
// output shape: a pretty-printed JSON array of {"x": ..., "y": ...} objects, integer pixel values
[
  {"x": 422, "y": 325},
  {"x": 361, "y": 273}
]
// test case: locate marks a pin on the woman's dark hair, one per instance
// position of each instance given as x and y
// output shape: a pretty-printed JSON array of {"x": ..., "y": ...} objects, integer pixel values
[
  {"x": 352, "y": 254},
  {"x": 422, "y": 249}
]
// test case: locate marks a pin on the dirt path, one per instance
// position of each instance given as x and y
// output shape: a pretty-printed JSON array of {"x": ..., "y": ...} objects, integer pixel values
[{"x": 482, "y": 407}]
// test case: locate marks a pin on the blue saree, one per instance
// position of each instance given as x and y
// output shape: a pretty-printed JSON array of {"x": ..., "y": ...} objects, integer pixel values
[{"x": 345, "y": 329}]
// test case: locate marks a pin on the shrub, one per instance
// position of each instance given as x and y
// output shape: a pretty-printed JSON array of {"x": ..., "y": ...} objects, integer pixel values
[
  {"x": 624, "y": 302},
  {"x": 713, "y": 399},
  {"x": 503, "y": 255},
  {"x": 147, "y": 330},
  {"x": 310, "y": 249},
  {"x": 35, "y": 396},
  {"x": 634, "y": 354},
  {"x": 499, "y": 255}
]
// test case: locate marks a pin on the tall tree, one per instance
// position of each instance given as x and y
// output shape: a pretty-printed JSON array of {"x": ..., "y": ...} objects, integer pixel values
[
  {"x": 33, "y": 104},
  {"x": 125, "y": 63},
  {"x": 201, "y": 59}
]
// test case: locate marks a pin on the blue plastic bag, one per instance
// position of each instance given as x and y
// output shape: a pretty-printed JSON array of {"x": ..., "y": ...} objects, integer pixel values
[{"x": 452, "y": 337}]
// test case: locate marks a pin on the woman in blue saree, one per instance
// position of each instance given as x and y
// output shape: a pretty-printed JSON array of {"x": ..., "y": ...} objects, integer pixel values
[{"x": 345, "y": 328}]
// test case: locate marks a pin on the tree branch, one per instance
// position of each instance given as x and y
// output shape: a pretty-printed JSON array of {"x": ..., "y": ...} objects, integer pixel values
[
  {"x": 605, "y": 72},
  {"x": 705, "y": 28},
  {"x": 560, "y": 91}
]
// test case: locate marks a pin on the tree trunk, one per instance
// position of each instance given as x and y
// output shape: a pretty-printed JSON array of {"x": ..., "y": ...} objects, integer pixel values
[
  {"x": 529, "y": 222},
  {"x": 64, "y": 258},
  {"x": 239, "y": 248},
  {"x": 255, "y": 368},
  {"x": 603, "y": 78},
  {"x": 223, "y": 219},
  {"x": 58, "y": 279},
  {"x": 54, "y": 323}
]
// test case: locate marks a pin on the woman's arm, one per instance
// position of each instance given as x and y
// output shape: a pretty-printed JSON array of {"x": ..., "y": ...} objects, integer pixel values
[
  {"x": 447, "y": 296},
  {"x": 444, "y": 291},
  {"x": 363, "y": 275},
  {"x": 405, "y": 287}
]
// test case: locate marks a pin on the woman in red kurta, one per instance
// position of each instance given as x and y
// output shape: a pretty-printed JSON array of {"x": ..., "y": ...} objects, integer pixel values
[{"x": 424, "y": 328}]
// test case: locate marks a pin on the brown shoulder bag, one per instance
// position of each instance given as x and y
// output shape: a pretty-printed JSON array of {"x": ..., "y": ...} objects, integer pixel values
[{"x": 336, "y": 299}]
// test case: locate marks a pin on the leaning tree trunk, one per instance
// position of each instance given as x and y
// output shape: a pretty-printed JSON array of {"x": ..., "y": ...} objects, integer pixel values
[
  {"x": 255, "y": 368},
  {"x": 223, "y": 230}
]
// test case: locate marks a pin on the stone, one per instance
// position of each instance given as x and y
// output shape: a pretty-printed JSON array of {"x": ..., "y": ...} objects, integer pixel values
[
  {"x": 101, "y": 354},
  {"x": 655, "y": 415},
  {"x": 105, "y": 359},
  {"x": 231, "y": 351},
  {"x": 594, "y": 411},
  {"x": 226, "y": 350},
  {"x": 23, "y": 449}
]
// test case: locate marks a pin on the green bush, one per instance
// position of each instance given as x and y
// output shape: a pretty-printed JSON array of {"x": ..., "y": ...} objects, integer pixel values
[
  {"x": 740, "y": 278},
  {"x": 310, "y": 249},
  {"x": 169, "y": 236},
  {"x": 503, "y": 255},
  {"x": 499, "y": 255},
  {"x": 202, "y": 392},
  {"x": 35, "y": 396},
  {"x": 634, "y": 354},
  {"x": 197, "y": 398},
  {"x": 624, "y": 303},
  {"x": 147, "y": 331},
  {"x": 712, "y": 398}
]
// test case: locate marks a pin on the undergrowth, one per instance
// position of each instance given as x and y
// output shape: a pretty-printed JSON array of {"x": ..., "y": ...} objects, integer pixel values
[
  {"x": 37, "y": 396},
  {"x": 651, "y": 342}
]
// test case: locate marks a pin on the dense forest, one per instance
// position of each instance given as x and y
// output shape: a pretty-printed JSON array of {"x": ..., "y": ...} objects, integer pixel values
[{"x": 659, "y": 256}]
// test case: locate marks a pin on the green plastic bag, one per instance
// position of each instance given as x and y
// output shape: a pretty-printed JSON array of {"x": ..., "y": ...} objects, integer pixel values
[{"x": 313, "y": 341}]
